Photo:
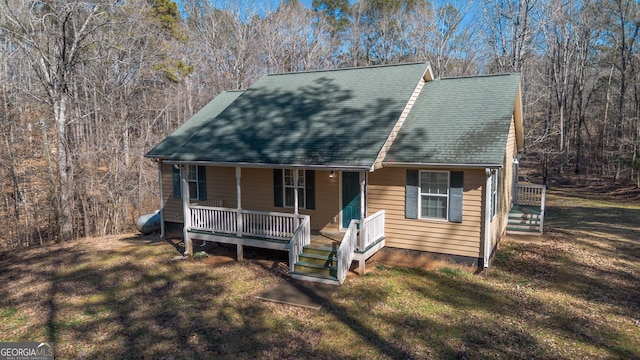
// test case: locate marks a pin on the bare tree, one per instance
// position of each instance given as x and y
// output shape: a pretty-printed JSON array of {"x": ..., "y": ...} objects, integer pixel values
[{"x": 54, "y": 37}]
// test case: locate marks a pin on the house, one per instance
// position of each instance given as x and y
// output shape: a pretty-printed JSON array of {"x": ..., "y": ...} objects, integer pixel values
[{"x": 382, "y": 156}]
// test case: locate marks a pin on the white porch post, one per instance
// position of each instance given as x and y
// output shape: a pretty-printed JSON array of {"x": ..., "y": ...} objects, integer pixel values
[
  {"x": 186, "y": 211},
  {"x": 295, "y": 192},
  {"x": 363, "y": 188},
  {"x": 161, "y": 199},
  {"x": 363, "y": 215},
  {"x": 239, "y": 249},
  {"x": 239, "y": 201}
]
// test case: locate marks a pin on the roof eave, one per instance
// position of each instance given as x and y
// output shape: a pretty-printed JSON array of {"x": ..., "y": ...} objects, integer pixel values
[
  {"x": 271, "y": 166},
  {"x": 518, "y": 118},
  {"x": 442, "y": 165}
]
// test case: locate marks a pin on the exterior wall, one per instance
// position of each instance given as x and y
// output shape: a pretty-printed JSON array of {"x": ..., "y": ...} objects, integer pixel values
[
  {"x": 221, "y": 184},
  {"x": 386, "y": 190},
  {"x": 505, "y": 189},
  {"x": 256, "y": 193}
]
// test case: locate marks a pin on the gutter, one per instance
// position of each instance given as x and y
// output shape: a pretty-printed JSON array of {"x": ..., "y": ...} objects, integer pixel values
[
  {"x": 272, "y": 166},
  {"x": 442, "y": 165}
]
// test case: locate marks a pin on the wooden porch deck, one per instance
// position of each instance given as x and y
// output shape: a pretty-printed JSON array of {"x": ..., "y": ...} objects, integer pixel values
[{"x": 324, "y": 256}]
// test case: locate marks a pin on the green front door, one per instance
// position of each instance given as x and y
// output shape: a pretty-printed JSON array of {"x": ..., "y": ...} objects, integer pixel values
[{"x": 350, "y": 197}]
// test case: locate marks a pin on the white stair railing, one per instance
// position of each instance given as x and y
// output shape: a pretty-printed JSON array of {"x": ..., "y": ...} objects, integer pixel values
[
  {"x": 346, "y": 250},
  {"x": 371, "y": 230},
  {"x": 301, "y": 238}
]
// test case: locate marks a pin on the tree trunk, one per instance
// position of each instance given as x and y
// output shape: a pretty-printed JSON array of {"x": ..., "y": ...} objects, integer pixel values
[{"x": 63, "y": 208}]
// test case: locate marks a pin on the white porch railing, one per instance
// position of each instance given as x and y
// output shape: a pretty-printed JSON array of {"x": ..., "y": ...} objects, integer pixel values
[
  {"x": 300, "y": 239},
  {"x": 530, "y": 194},
  {"x": 346, "y": 250},
  {"x": 244, "y": 222},
  {"x": 371, "y": 230}
]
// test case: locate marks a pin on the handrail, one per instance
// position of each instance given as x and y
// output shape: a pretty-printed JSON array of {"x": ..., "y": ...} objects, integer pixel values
[
  {"x": 301, "y": 237},
  {"x": 371, "y": 230},
  {"x": 530, "y": 194},
  {"x": 347, "y": 249},
  {"x": 253, "y": 223}
]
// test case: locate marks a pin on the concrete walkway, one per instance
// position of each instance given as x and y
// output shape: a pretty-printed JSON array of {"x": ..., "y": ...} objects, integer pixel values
[{"x": 305, "y": 294}]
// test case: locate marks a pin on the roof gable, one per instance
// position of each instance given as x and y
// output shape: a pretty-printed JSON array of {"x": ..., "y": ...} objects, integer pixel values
[
  {"x": 462, "y": 121},
  {"x": 336, "y": 118}
]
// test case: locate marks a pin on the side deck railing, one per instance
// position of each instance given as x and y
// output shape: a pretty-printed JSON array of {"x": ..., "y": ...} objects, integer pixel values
[
  {"x": 532, "y": 195},
  {"x": 271, "y": 225},
  {"x": 346, "y": 250},
  {"x": 301, "y": 238},
  {"x": 371, "y": 230}
]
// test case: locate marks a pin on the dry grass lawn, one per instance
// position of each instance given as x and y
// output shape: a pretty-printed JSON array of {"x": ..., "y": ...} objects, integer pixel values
[{"x": 573, "y": 294}]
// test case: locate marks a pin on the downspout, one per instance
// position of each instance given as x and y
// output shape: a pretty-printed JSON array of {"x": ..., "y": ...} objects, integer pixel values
[
  {"x": 161, "y": 199},
  {"x": 487, "y": 218}
]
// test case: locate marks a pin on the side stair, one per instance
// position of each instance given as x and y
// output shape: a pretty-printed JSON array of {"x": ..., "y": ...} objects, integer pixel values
[
  {"x": 317, "y": 263},
  {"x": 525, "y": 220}
]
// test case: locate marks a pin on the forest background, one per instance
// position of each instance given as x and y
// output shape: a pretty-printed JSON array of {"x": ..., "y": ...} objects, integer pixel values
[{"x": 88, "y": 87}]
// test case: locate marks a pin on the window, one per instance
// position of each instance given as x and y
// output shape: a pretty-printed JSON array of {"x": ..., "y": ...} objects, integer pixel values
[
  {"x": 196, "y": 178},
  {"x": 284, "y": 188},
  {"x": 494, "y": 193},
  {"x": 434, "y": 194},
  {"x": 289, "y": 188}
]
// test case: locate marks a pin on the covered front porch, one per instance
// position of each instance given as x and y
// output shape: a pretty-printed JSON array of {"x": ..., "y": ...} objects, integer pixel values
[{"x": 314, "y": 254}]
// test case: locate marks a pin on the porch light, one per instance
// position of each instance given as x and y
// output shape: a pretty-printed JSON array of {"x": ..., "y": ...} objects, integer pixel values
[{"x": 332, "y": 174}]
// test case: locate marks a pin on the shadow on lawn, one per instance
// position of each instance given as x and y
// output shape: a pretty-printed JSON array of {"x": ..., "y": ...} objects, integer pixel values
[{"x": 506, "y": 334}]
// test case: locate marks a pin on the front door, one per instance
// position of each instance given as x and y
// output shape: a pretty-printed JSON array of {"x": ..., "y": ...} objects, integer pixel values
[{"x": 350, "y": 197}]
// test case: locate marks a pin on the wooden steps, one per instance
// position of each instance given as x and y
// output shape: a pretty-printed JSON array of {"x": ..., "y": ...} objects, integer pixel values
[
  {"x": 525, "y": 220},
  {"x": 318, "y": 263}
]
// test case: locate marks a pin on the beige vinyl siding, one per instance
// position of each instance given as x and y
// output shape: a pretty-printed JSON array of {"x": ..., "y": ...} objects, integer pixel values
[
  {"x": 505, "y": 189},
  {"x": 257, "y": 194},
  {"x": 386, "y": 191},
  {"x": 221, "y": 184},
  {"x": 172, "y": 207}
]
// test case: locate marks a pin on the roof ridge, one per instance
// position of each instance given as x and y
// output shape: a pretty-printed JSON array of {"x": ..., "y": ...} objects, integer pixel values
[
  {"x": 349, "y": 68},
  {"x": 477, "y": 76}
]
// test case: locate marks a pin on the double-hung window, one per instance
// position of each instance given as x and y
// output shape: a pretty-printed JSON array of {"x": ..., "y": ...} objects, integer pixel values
[
  {"x": 434, "y": 194},
  {"x": 196, "y": 180},
  {"x": 284, "y": 188},
  {"x": 290, "y": 188},
  {"x": 494, "y": 193}
]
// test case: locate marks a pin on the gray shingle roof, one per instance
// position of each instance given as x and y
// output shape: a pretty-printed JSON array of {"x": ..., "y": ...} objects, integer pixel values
[
  {"x": 321, "y": 118},
  {"x": 182, "y": 134},
  {"x": 458, "y": 121}
]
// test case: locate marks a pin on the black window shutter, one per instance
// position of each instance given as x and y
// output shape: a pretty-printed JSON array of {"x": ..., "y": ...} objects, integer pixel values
[
  {"x": 411, "y": 195},
  {"x": 177, "y": 189},
  {"x": 456, "y": 189},
  {"x": 277, "y": 187},
  {"x": 202, "y": 183},
  {"x": 310, "y": 189}
]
